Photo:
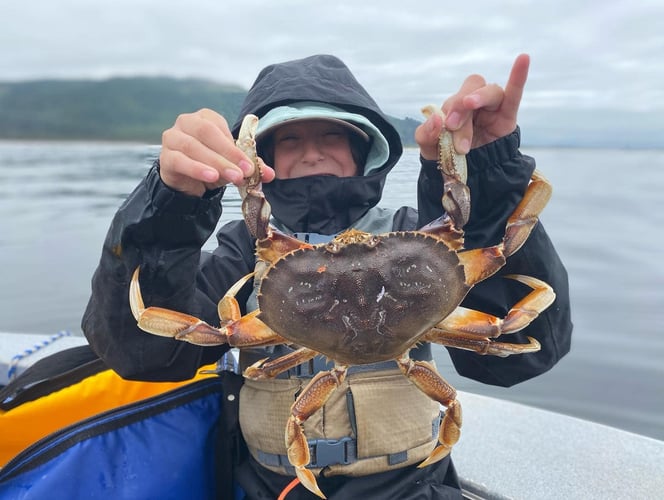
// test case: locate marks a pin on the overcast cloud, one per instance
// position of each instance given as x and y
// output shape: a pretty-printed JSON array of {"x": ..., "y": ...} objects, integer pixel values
[{"x": 585, "y": 55}]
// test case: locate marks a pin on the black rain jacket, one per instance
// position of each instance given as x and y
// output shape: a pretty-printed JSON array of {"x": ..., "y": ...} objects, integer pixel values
[{"x": 163, "y": 231}]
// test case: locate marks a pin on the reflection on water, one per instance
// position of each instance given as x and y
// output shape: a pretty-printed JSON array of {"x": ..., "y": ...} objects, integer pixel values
[{"x": 57, "y": 201}]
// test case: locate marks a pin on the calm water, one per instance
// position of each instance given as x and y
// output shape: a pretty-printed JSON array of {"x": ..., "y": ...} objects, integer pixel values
[{"x": 606, "y": 217}]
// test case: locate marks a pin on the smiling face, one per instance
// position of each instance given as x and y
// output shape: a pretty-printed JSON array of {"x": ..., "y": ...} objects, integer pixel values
[{"x": 313, "y": 147}]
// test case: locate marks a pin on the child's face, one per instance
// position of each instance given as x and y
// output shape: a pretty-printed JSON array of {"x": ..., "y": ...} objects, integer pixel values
[{"x": 312, "y": 147}]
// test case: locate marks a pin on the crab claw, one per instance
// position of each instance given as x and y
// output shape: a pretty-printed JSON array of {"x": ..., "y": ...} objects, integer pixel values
[
  {"x": 526, "y": 214},
  {"x": 450, "y": 430},
  {"x": 246, "y": 142},
  {"x": 168, "y": 323},
  {"x": 456, "y": 195},
  {"x": 312, "y": 398},
  {"x": 298, "y": 455},
  {"x": 255, "y": 208}
]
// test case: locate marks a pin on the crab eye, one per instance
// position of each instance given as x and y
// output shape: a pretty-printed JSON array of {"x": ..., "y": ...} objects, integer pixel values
[{"x": 332, "y": 247}]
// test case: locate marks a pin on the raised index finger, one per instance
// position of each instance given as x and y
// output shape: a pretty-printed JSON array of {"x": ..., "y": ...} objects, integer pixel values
[{"x": 515, "y": 85}]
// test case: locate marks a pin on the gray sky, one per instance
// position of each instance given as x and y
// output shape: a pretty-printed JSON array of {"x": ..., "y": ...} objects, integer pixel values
[{"x": 585, "y": 55}]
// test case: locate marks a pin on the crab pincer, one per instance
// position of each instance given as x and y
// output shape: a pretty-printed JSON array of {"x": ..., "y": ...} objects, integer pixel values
[
  {"x": 456, "y": 195},
  {"x": 255, "y": 208}
]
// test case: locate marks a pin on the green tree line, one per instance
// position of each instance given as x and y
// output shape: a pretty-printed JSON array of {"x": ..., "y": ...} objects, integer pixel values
[{"x": 118, "y": 109}]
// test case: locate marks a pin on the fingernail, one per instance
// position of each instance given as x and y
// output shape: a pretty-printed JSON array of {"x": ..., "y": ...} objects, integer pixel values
[
  {"x": 464, "y": 146},
  {"x": 453, "y": 120},
  {"x": 210, "y": 175},
  {"x": 234, "y": 176},
  {"x": 473, "y": 99},
  {"x": 246, "y": 167}
]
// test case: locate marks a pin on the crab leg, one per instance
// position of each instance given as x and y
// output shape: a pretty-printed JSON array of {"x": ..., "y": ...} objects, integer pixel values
[
  {"x": 256, "y": 210},
  {"x": 473, "y": 330},
  {"x": 423, "y": 375},
  {"x": 167, "y": 323},
  {"x": 243, "y": 331},
  {"x": 311, "y": 399},
  {"x": 480, "y": 345},
  {"x": 263, "y": 370},
  {"x": 524, "y": 217},
  {"x": 480, "y": 263},
  {"x": 235, "y": 330},
  {"x": 276, "y": 245},
  {"x": 444, "y": 229}
]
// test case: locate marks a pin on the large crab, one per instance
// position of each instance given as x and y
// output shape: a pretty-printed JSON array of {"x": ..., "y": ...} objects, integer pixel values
[{"x": 364, "y": 298}]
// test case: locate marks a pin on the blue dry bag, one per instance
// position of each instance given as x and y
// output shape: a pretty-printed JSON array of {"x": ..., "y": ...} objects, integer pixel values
[{"x": 166, "y": 447}]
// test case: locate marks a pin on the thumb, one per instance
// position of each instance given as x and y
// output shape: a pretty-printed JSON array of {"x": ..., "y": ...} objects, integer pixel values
[{"x": 426, "y": 136}]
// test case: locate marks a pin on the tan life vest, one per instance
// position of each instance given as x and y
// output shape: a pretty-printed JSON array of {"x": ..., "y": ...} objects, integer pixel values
[{"x": 375, "y": 421}]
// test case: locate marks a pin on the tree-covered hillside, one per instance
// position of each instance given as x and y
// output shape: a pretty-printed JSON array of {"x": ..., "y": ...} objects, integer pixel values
[
  {"x": 136, "y": 109},
  {"x": 127, "y": 109}
]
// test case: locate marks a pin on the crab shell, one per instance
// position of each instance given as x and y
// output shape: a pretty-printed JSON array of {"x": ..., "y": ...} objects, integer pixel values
[{"x": 364, "y": 301}]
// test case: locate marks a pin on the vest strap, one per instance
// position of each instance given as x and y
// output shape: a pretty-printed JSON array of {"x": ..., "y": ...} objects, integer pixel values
[
  {"x": 319, "y": 364},
  {"x": 343, "y": 451}
]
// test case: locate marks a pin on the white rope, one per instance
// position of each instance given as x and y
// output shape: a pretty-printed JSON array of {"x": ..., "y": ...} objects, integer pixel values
[{"x": 13, "y": 364}]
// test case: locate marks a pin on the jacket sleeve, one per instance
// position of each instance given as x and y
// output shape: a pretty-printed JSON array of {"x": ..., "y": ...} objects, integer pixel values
[
  {"x": 498, "y": 175},
  {"x": 162, "y": 231}
]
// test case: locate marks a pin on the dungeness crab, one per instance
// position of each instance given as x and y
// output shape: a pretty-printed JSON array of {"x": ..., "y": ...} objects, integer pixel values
[{"x": 364, "y": 298}]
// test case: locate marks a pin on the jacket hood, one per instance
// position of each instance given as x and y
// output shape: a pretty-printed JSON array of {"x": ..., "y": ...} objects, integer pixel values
[{"x": 321, "y": 204}]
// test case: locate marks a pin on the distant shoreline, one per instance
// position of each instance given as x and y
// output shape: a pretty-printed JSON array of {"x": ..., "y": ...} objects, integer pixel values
[{"x": 139, "y": 109}]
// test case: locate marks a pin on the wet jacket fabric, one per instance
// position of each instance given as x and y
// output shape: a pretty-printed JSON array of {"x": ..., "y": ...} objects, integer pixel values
[{"x": 163, "y": 231}]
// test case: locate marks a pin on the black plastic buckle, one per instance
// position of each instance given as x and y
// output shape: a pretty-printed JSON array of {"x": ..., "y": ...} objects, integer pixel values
[{"x": 326, "y": 452}]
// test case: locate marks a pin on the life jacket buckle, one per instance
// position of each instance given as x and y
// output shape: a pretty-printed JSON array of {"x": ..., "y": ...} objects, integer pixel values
[{"x": 326, "y": 452}]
